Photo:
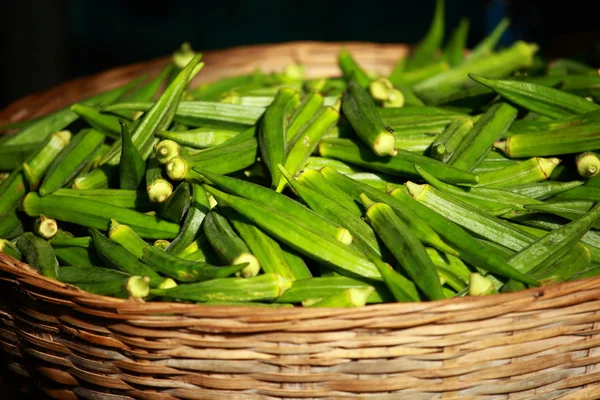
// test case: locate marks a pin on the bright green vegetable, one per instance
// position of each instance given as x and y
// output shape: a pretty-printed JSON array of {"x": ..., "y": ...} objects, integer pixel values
[
  {"x": 39, "y": 254},
  {"x": 132, "y": 166}
]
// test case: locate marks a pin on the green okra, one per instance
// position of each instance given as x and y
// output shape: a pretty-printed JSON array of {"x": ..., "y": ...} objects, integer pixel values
[
  {"x": 45, "y": 227},
  {"x": 572, "y": 139},
  {"x": 104, "y": 281},
  {"x": 484, "y": 198},
  {"x": 533, "y": 170},
  {"x": 131, "y": 199},
  {"x": 588, "y": 164},
  {"x": 271, "y": 135},
  {"x": 11, "y": 223},
  {"x": 166, "y": 150},
  {"x": 200, "y": 138},
  {"x": 39, "y": 254},
  {"x": 494, "y": 160},
  {"x": 446, "y": 143},
  {"x": 198, "y": 208},
  {"x": 553, "y": 246},
  {"x": 305, "y": 289},
  {"x": 470, "y": 218},
  {"x": 308, "y": 141},
  {"x": 98, "y": 178},
  {"x": 311, "y": 103},
  {"x": 292, "y": 231},
  {"x": 524, "y": 126},
  {"x": 10, "y": 249},
  {"x": 542, "y": 100},
  {"x": 480, "y": 285},
  {"x": 157, "y": 186},
  {"x": 415, "y": 124},
  {"x": 12, "y": 157},
  {"x": 363, "y": 236},
  {"x": 316, "y": 181},
  {"x": 132, "y": 166},
  {"x": 69, "y": 252},
  {"x": 354, "y": 297},
  {"x": 12, "y": 190},
  {"x": 419, "y": 226},
  {"x": 486, "y": 47},
  {"x": 361, "y": 111},
  {"x": 351, "y": 151},
  {"x": 451, "y": 266},
  {"x": 570, "y": 210},
  {"x": 66, "y": 239},
  {"x": 406, "y": 248},
  {"x": 257, "y": 288},
  {"x": 519, "y": 55},
  {"x": 316, "y": 163},
  {"x": 97, "y": 215},
  {"x": 71, "y": 160},
  {"x": 577, "y": 192},
  {"x": 35, "y": 167},
  {"x": 351, "y": 70},
  {"x": 159, "y": 116},
  {"x": 228, "y": 246},
  {"x": 296, "y": 263},
  {"x": 177, "y": 204},
  {"x": 267, "y": 251},
  {"x": 126, "y": 237},
  {"x": 282, "y": 203},
  {"x": 115, "y": 256},
  {"x": 183, "y": 270},
  {"x": 39, "y": 131},
  {"x": 105, "y": 124},
  {"x": 454, "y": 52},
  {"x": 427, "y": 49},
  {"x": 239, "y": 156},
  {"x": 213, "y": 90},
  {"x": 161, "y": 244},
  {"x": 478, "y": 142},
  {"x": 574, "y": 262},
  {"x": 401, "y": 288}
]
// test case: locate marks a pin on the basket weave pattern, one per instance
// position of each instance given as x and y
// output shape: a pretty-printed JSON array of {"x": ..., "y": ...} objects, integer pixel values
[{"x": 537, "y": 344}]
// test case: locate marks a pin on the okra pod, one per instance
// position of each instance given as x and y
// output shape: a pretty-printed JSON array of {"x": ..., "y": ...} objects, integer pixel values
[
  {"x": 354, "y": 297},
  {"x": 486, "y": 47},
  {"x": 35, "y": 167},
  {"x": 588, "y": 164},
  {"x": 71, "y": 160},
  {"x": 429, "y": 45},
  {"x": 361, "y": 111},
  {"x": 257, "y": 288},
  {"x": 198, "y": 208},
  {"x": 405, "y": 247},
  {"x": 351, "y": 69},
  {"x": 104, "y": 281},
  {"x": 478, "y": 142},
  {"x": 200, "y": 138},
  {"x": 289, "y": 230},
  {"x": 574, "y": 262},
  {"x": 12, "y": 157},
  {"x": 535, "y": 169},
  {"x": 227, "y": 244},
  {"x": 316, "y": 181},
  {"x": 45, "y": 227},
  {"x": 97, "y": 215},
  {"x": 271, "y": 135},
  {"x": 132, "y": 166},
  {"x": 283, "y": 204},
  {"x": 454, "y": 52},
  {"x": 10, "y": 249},
  {"x": 39, "y": 254},
  {"x": 316, "y": 163},
  {"x": 446, "y": 143},
  {"x": 308, "y": 141},
  {"x": 303, "y": 115},
  {"x": 570, "y": 210},
  {"x": 302, "y": 290},
  {"x": 351, "y": 151},
  {"x": 157, "y": 186},
  {"x": 131, "y": 199},
  {"x": 480, "y": 285},
  {"x": 100, "y": 177},
  {"x": 176, "y": 204},
  {"x": 126, "y": 237},
  {"x": 578, "y": 192},
  {"x": 12, "y": 190},
  {"x": 105, "y": 124},
  {"x": 542, "y": 100},
  {"x": 69, "y": 252}
]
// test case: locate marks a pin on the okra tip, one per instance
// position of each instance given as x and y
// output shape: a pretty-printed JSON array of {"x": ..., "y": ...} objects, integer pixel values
[
  {"x": 414, "y": 189},
  {"x": 503, "y": 146},
  {"x": 159, "y": 191},
  {"x": 385, "y": 145},
  {"x": 166, "y": 150},
  {"x": 283, "y": 284},
  {"x": 252, "y": 267},
  {"x": 365, "y": 200},
  {"x": 547, "y": 165},
  {"x": 168, "y": 283},
  {"x": 479, "y": 285},
  {"x": 138, "y": 287}
]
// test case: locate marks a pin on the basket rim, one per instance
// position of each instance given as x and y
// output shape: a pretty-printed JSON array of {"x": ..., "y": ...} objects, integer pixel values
[{"x": 25, "y": 275}]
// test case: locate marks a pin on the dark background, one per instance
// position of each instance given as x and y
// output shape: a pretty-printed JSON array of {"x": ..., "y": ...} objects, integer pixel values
[{"x": 45, "y": 42}]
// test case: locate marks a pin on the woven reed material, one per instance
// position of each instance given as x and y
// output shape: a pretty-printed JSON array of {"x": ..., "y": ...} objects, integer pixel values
[{"x": 537, "y": 344}]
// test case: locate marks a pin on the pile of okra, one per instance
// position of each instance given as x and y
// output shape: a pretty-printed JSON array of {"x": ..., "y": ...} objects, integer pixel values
[{"x": 460, "y": 173}]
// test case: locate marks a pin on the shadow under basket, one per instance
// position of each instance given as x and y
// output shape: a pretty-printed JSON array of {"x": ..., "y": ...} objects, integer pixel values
[{"x": 541, "y": 343}]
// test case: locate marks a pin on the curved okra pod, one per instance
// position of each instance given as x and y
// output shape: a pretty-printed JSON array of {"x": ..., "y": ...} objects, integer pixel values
[
  {"x": 271, "y": 135},
  {"x": 446, "y": 143},
  {"x": 316, "y": 181},
  {"x": 131, "y": 199},
  {"x": 351, "y": 70},
  {"x": 198, "y": 208},
  {"x": 39, "y": 254},
  {"x": 535, "y": 169},
  {"x": 478, "y": 141},
  {"x": 308, "y": 141},
  {"x": 406, "y": 248},
  {"x": 305, "y": 289},
  {"x": 227, "y": 244},
  {"x": 115, "y": 256},
  {"x": 176, "y": 204},
  {"x": 71, "y": 161},
  {"x": 35, "y": 167},
  {"x": 127, "y": 238},
  {"x": 292, "y": 231},
  {"x": 402, "y": 164},
  {"x": 361, "y": 111},
  {"x": 97, "y": 215},
  {"x": 261, "y": 287},
  {"x": 104, "y": 281},
  {"x": 540, "y": 99},
  {"x": 280, "y": 202}
]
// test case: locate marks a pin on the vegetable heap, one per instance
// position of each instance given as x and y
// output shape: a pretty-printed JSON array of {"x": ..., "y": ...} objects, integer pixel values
[{"x": 457, "y": 174}]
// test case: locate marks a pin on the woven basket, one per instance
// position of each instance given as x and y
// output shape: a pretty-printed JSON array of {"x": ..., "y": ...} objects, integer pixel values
[{"x": 535, "y": 344}]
